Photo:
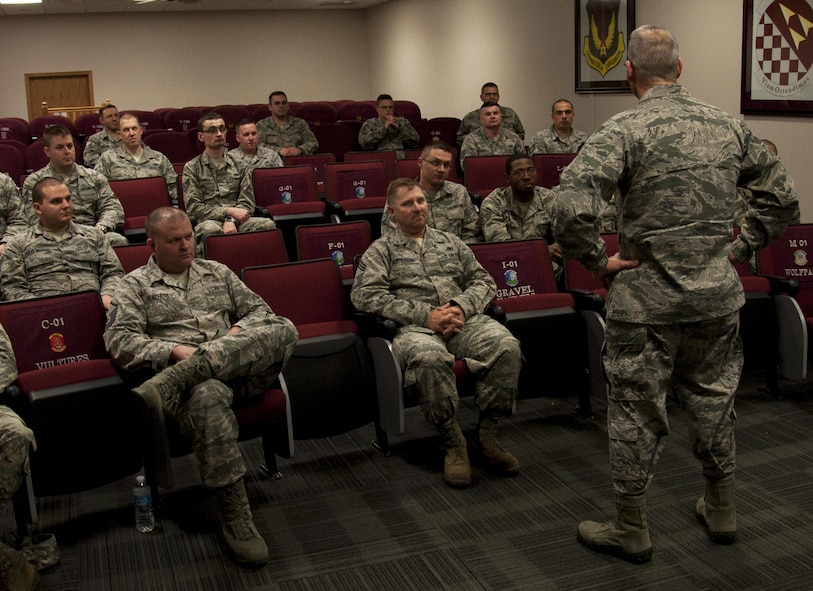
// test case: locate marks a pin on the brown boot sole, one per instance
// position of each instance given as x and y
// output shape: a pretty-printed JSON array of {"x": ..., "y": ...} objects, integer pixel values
[
  {"x": 635, "y": 558},
  {"x": 724, "y": 538}
]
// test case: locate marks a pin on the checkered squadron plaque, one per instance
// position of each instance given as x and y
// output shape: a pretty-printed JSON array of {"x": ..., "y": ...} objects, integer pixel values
[{"x": 783, "y": 49}]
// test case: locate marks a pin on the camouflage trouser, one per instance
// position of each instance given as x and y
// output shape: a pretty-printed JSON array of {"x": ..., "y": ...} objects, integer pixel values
[
  {"x": 490, "y": 352},
  {"x": 701, "y": 363},
  {"x": 244, "y": 365},
  {"x": 15, "y": 441},
  {"x": 213, "y": 228},
  {"x": 116, "y": 239}
]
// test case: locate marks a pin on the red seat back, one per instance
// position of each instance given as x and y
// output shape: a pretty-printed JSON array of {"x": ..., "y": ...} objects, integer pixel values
[
  {"x": 388, "y": 157},
  {"x": 55, "y": 330},
  {"x": 177, "y": 147},
  {"x": 355, "y": 180},
  {"x": 341, "y": 242},
  {"x": 182, "y": 120},
  {"x": 549, "y": 167},
  {"x": 318, "y": 296},
  {"x": 283, "y": 186},
  {"x": 791, "y": 256},
  {"x": 14, "y": 128},
  {"x": 523, "y": 273},
  {"x": 133, "y": 256},
  {"x": 139, "y": 198},
  {"x": 246, "y": 249},
  {"x": 483, "y": 174}
]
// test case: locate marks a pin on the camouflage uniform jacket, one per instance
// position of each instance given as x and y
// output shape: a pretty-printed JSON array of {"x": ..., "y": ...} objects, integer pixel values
[
  {"x": 96, "y": 145},
  {"x": 153, "y": 312},
  {"x": 8, "y": 364},
  {"x": 262, "y": 158},
  {"x": 296, "y": 134},
  {"x": 548, "y": 141},
  {"x": 375, "y": 136},
  {"x": 118, "y": 164},
  {"x": 478, "y": 143},
  {"x": 404, "y": 279},
  {"x": 471, "y": 123},
  {"x": 677, "y": 162},
  {"x": 12, "y": 218},
  {"x": 210, "y": 188},
  {"x": 93, "y": 199},
  {"x": 35, "y": 264},
  {"x": 502, "y": 218},
  {"x": 450, "y": 210}
]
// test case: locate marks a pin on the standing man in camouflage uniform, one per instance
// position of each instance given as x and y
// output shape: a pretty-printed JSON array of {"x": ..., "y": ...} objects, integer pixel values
[
  {"x": 387, "y": 132},
  {"x": 218, "y": 188},
  {"x": 211, "y": 339},
  {"x": 12, "y": 218},
  {"x": 489, "y": 93},
  {"x": 135, "y": 160},
  {"x": 521, "y": 210},
  {"x": 106, "y": 139},
  {"x": 450, "y": 207},
  {"x": 429, "y": 281},
  {"x": 561, "y": 138},
  {"x": 55, "y": 255},
  {"x": 16, "y": 572},
  {"x": 673, "y": 305},
  {"x": 94, "y": 203},
  {"x": 248, "y": 152},
  {"x": 289, "y": 136},
  {"x": 491, "y": 139}
]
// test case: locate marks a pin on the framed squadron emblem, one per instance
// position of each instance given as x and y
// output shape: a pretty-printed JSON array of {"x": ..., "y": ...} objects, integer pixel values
[
  {"x": 602, "y": 31},
  {"x": 777, "y": 49}
]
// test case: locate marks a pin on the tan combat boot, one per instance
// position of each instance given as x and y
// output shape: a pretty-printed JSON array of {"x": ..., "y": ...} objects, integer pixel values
[
  {"x": 716, "y": 510},
  {"x": 456, "y": 467},
  {"x": 169, "y": 383},
  {"x": 486, "y": 446},
  {"x": 627, "y": 537},
  {"x": 246, "y": 545},
  {"x": 16, "y": 573}
]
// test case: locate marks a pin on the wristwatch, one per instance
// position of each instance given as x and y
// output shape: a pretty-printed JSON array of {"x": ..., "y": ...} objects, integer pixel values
[{"x": 230, "y": 218}]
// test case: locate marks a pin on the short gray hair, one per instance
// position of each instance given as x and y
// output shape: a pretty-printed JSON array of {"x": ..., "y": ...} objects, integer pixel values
[{"x": 654, "y": 54}]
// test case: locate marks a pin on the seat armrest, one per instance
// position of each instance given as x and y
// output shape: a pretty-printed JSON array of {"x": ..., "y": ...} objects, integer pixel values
[
  {"x": 587, "y": 300},
  {"x": 374, "y": 325},
  {"x": 782, "y": 285},
  {"x": 496, "y": 311}
]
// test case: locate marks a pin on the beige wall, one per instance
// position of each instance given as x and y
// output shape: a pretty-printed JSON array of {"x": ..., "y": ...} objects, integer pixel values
[
  {"x": 439, "y": 52},
  {"x": 171, "y": 59},
  {"x": 435, "y": 52}
]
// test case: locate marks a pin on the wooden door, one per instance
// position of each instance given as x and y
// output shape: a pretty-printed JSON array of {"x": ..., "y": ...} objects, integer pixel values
[{"x": 58, "y": 89}]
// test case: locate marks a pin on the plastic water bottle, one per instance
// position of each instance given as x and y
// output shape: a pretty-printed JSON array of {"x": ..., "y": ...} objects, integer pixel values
[{"x": 142, "y": 501}]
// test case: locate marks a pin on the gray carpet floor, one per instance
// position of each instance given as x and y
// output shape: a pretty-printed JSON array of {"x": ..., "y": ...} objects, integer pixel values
[{"x": 346, "y": 518}]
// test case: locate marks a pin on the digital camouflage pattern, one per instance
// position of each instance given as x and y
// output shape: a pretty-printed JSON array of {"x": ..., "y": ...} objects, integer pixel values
[
  {"x": 153, "y": 312},
  {"x": 94, "y": 202},
  {"x": 673, "y": 165},
  {"x": 118, "y": 164},
  {"x": 96, "y": 145},
  {"x": 678, "y": 163},
  {"x": 710, "y": 354},
  {"x": 12, "y": 219},
  {"x": 296, "y": 133},
  {"x": 35, "y": 263},
  {"x": 478, "y": 143},
  {"x": 471, "y": 123},
  {"x": 262, "y": 158},
  {"x": 210, "y": 188},
  {"x": 548, "y": 142},
  {"x": 450, "y": 210},
  {"x": 375, "y": 136},
  {"x": 404, "y": 279},
  {"x": 503, "y": 218}
]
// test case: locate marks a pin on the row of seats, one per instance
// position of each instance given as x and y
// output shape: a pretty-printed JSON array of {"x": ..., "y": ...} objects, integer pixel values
[{"x": 186, "y": 118}]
